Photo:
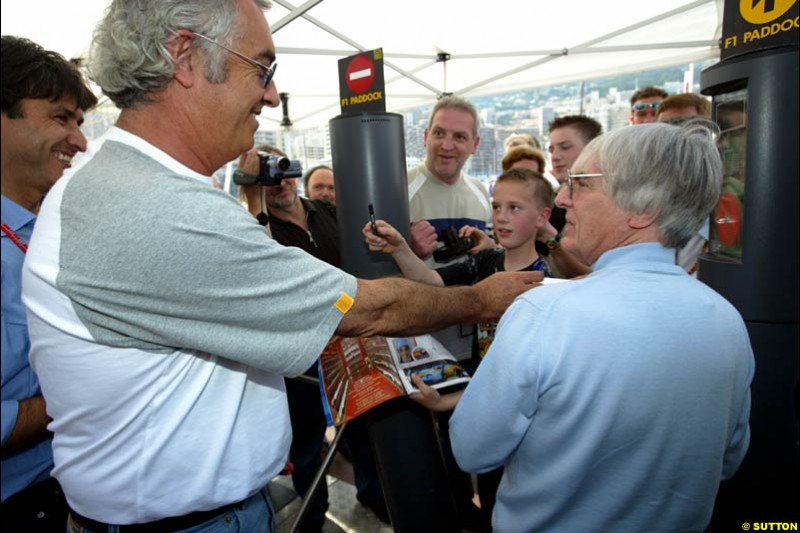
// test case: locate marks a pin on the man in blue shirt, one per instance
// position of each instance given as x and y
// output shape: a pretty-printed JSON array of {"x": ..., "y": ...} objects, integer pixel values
[
  {"x": 617, "y": 402},
  {"x": 44, "y": 97}
]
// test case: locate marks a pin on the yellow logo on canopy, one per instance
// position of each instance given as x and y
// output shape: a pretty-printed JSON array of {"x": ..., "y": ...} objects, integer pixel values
[{"x": 763, "y": 11}]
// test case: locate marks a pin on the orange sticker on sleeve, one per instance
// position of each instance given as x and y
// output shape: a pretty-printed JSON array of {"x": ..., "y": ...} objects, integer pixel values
[{"x": 344, "y": 303}]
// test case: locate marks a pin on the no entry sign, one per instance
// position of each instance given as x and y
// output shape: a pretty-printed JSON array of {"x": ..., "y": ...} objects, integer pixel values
[
  {"x": 360, "y": 74},
  {"x": 361, "y": 85}
]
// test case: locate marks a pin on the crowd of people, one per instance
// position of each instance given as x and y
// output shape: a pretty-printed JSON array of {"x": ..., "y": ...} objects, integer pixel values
[{"x": 152, "y": 328}]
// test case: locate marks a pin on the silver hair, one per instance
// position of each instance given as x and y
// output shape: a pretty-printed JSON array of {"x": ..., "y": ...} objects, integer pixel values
[
  {"x": 456, "y": 102},
  {"x": 129, "y": 58},
  {"x": 674, "y": 172}
]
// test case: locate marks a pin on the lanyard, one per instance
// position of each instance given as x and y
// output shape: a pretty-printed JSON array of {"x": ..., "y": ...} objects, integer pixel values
[{"x": 16, "y": 239}]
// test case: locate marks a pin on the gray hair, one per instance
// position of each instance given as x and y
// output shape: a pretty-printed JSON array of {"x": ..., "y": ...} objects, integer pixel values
[
  {"x": 674, "y": 172},
  {"x": 129, "y": 58},
  {"x": 456, "y": 102}
]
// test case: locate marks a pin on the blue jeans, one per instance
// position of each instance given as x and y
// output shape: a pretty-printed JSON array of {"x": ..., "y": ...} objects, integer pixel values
[{"x": 255, "y": 514}]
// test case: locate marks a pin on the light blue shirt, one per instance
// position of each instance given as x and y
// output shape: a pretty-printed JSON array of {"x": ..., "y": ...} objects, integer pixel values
[
  {"x": 34, "y": 464},
  {"x": 616, "y": 403}
]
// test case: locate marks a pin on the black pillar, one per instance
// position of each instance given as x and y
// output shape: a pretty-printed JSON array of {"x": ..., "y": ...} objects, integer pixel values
[
  {"x": 369, "y": 166},
  {"x": 753, "y": 262}
]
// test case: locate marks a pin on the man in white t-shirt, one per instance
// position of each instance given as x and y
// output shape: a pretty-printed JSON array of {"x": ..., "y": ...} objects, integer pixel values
[
  {"x": 162, "y": 317},
  {"x": 442, "y": 196}
]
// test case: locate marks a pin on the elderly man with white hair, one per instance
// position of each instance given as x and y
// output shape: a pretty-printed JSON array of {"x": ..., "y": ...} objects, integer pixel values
[{"x": 620, "y": 400}]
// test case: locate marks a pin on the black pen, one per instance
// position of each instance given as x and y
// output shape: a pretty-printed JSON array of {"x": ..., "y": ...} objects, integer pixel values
[{"x": 372, "y": 220}]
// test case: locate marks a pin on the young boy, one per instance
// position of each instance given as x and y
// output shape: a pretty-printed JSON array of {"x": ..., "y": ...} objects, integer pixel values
[{"x": 520, "y": 207}]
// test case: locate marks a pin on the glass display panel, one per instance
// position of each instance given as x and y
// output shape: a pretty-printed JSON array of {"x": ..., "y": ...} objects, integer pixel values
[{"x": 727, "y": 220}]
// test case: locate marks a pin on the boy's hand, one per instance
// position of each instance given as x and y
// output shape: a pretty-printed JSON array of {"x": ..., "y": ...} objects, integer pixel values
[
  {"x": 387, "y": 240},
  {"x": 480, "y": 240},
  {"x": 430, "y": 397}
]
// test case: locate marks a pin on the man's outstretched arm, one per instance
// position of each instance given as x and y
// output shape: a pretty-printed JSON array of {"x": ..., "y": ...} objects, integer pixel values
[{"x": 398, "y": 307}]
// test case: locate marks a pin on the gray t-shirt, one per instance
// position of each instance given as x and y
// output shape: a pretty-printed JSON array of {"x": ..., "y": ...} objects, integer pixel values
[
  {"x": 162, "y": 319},
  {"x": 157, "y": 261}
]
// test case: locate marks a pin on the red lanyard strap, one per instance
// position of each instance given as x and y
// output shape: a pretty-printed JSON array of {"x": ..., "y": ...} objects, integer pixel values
[{"x": 16, "y": 239}]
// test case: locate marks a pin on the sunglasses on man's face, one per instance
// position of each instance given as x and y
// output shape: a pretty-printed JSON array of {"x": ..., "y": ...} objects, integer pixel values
[{"x": 642, "y": 108}]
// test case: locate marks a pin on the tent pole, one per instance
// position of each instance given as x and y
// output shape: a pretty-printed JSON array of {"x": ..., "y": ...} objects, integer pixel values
[
  {"x": 300, "y": 11},
  {"x": 357, "y": 46}
]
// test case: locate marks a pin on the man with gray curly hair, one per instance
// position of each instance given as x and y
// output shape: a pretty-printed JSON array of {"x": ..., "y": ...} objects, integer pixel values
[
  {"x": 626, "y": 394},
  {"x": 162, "y": 317}
]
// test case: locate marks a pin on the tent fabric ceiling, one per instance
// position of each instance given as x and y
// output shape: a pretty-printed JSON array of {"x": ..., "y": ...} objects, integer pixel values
[{"x": 494, "y": 47}]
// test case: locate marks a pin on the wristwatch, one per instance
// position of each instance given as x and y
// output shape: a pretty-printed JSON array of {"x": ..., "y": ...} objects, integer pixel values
[{"x": 552, "y": 244}]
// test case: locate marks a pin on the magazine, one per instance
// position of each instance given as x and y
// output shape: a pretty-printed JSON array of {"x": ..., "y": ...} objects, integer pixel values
[{"x": 356, "y": 374}]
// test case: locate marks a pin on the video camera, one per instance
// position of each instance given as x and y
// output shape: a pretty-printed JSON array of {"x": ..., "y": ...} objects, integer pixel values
[
  {"x": 454, "y": 245},
  {"x": 272, "y": 169}
]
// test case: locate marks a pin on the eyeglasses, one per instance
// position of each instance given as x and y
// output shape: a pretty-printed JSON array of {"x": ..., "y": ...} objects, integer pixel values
[
  {"x": 265, "y": 73},
  {"x": 572, "y": 177},
  {"x": 641, "y": 108}
]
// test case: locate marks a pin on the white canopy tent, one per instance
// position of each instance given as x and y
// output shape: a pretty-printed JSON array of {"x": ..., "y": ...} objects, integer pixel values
[{"x": 491, "y": 47}]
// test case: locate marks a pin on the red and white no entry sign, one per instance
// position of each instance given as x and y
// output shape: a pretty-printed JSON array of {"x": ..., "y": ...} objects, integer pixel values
[{"x": 360, "y": 74}]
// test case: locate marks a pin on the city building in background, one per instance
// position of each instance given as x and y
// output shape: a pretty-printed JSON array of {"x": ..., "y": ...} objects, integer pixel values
[{"x": 605, "y": 100}]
